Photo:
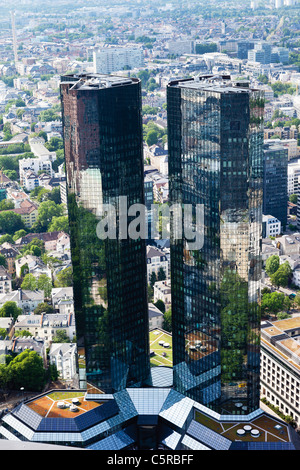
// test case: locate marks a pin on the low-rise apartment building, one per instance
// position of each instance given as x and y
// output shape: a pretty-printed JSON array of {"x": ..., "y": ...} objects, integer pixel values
[
  {"x": 156, "y": 259},
  {"x": 46, "y": 325},
  {"x": 156, "y": 317},
  {"x": 271, "y": 226},
  {"x": 280, "y": 365},
  {"x": 63, "y": 355},
  {"x": 27, "y": 300},
  {"x": 162, "y": 291},
  {"x": 5, "y": 281}
]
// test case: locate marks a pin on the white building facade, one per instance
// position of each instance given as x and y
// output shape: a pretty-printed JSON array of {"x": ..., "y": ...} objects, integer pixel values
[
  {"x": 112, "y": 59},
  {"x": 63, "y": 355},
  {"x": 280, "y": 366},
  {"x": 271, "y": 226}
]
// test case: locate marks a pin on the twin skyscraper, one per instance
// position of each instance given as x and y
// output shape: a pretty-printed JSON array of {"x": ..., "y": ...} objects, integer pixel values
[{"x": 215, "y": 142}]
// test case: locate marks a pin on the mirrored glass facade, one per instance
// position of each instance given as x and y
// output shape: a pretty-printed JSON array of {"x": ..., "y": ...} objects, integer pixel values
[
  {"x": 215, "y": 131},
  {"x": 275, "y": 195},
  {"x": 102, "y": 128}
]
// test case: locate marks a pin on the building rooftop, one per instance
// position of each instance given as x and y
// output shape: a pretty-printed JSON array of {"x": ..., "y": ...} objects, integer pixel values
[
  {"x": 57, "y": 404},
  {"x": 90, "y": 81},
  {"x": 154, "y": 311},
  {"x": 93, "y": 423},
  {"x": 284, "y": 337},
  {"x": 217, "y": 83}
]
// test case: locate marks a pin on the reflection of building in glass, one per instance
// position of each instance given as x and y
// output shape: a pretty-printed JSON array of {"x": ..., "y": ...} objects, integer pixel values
[
  {"x": 215, "y": 132},
  {"x": 215, "y": 331},
  {"x": 275, "y": 189},
  {"x": 103, "y": 149}
]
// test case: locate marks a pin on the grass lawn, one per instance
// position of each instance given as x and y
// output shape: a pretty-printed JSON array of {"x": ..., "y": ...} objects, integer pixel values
[
  {"x": 158, "y": 359},
  {"x": 65, "y": 395}
]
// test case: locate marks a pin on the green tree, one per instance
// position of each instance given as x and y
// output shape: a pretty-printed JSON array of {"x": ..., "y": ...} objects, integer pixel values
[
  {"x": 49, "y": 115},
  {"x": 3, "y": 261},
  {"x": 266, "y": 290},
  {"x": 153, "y": 279},
  {"x": 59, "y": 224},
  {"x": 60, "y": 158},
  {"x": 3, "y": 333},
  {"x": 282, "y": 276},
  {"x": 6, "y": 204},
  {"x": 36, "y": 247},
  {"x": 64, "y": 278},
  {"x": 20, "y": 103},
  {"x": 50, "y": 261},
  {"x": 44, "y": 283},
  {"x": 167, "y": 324},
  {"x": 152, "y": 137},
  {"x": 43, "y": 307},
  {"x": 297, "y": 300},
  {"x": 281, "y": 88},
  {"x": 272, "y": 264},
  {"x": 54, "y": 196},
  {"x": 283, "y": 316},
  {"x": 44, "y": 136},
  {"x": 10, "y": 309},
  {"x": 11, "y": 174},
  {"x": 293, "y": 198},
  {"x": 20, "y": 113},
  {"x": 149, "y": 293},
  {"x": 10, "y": 222},
  {"x": 273, "y": 302},
  {"x": 55, "y": 143},
  {"x": 43, "y": 194},
  {"x": 206, "y": 47},
  {"x": 6, "y": 239},
  {"x": 161, "y": 275},
  {"x": 263, "y": 78},
  {"x": 149, "y": 109},
  {"x": 35, "y": 192},
  {"x": 4, "y": 373},
  {"x": 19, "y": 234},
  {"x": 23, "y": 333},
  {"x": 33, "y": 250},
  {"x": 26, "y": 370},
  {"x": 29, "y": 282},
  {"x": 53, "y": 373},
  {"x": 46, "y": 211},
  {"x": 61, "y": 337}
]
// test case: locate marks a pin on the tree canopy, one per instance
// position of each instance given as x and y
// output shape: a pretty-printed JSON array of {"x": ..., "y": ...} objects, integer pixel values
[
  {"x": 46, "y": 212},
  {"x": 10, "y": 222},
  {"x": 167, "y": 324},
  {"x": 272, "y": 264},
  {"x": 29, "y": 282},
  {"x": 25, "y": 370},
  {"x": 282, "y": 276},
  {"x": 274, "y": 302},
  {"x": 10, "y": 309},
  {"x": 64, "y": 278},
  {"x": 44, "y": 283}
]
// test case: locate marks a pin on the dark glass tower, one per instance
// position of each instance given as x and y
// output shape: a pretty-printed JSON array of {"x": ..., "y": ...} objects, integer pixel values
[
  {"x": 102, "y": 128},
  {"x": 215, "y": 131},
  {"x": 275, "y": 195}
]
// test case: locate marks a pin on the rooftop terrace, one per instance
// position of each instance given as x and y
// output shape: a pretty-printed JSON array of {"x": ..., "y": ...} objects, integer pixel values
[
  {"x": 62, "y": 404},
  {"x": 90, "y": 81}
]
